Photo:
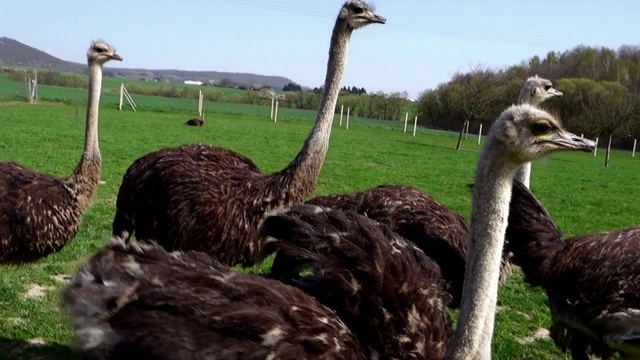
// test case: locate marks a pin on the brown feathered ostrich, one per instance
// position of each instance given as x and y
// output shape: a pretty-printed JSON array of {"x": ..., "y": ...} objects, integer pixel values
[
  {"x": 40, "y": 213},
  {"x": 210, "y": 199},
  {"x": 195, "y": 122},
  {"x": 138, "y": 301},
  {"x": 592, "y": 281},
  {"x": 370, "y": 293},
  {"x": 534, "y": 91},
  {"x": 440, "y": 232},
  {"x": 388, "y": 293}
]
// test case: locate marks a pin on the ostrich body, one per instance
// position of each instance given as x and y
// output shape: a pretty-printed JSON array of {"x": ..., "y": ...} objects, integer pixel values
[
  {"x": 386, "y": 290},
  {"x": 137, "y": 301},
  {"x": 592, "y": 281},
  {"x": 195, "y": 122},
  {"x": 522, "y": 133},
  {"x": 371, "y": 294},
  {"x": 40, "y": 213},
  {"x": 441, "y": 233},
  {"x": 534, "y": 91},
  {"x": 183, "y": 201}
]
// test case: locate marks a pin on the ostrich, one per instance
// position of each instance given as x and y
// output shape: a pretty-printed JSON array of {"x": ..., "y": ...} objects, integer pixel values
[
  {"x": 592, "y": 281},
  {"x": 195, "y": 121},
  {"x": 521, "y": 134},
  {"x": 371, "y": 293},
  {"x": 385, "y": 289},
  {"x": 40, "y": 213},
  {"x": 534, "y": 91},
  {"x": 183, "y": 197},
  {"x": 139, "y": 301},
  {"x": 441, "y": 233},
  {"x": 438, "y": 231}
]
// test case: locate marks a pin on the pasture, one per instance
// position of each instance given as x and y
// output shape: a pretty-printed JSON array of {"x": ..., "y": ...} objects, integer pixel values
[{"x": 581, "y": 194}]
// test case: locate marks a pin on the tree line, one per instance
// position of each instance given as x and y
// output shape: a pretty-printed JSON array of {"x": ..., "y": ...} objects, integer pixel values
[
  {"x": 601, "y": 93},
  {"x": 601, "y": 90}
]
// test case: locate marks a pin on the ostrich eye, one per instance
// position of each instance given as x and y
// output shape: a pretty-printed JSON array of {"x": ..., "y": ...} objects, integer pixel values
[
  {"x": 540, "y": 127},
  {"x": 101, "y": 50},
  {"x": 547, "y": 87},
  {"x": 358, "y": 10}
]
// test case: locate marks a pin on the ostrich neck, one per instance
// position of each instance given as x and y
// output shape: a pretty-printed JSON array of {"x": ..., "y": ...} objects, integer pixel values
[
  {"x": 524, "y": 174},
  {"x": 301, "y": 176},
  {"x": 489, "y": 216},
  {"x": 85, "y": 177}
]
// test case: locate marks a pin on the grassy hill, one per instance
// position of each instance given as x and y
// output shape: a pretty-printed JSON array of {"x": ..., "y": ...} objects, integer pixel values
[{"x": 16, "y": 54}]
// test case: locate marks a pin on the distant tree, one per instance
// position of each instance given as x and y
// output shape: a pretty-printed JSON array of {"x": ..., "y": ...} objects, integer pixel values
[
  {"x": 292, "y": 87},
  {"x": 226, "y": 83},
  {"x": 476, "y": 92},
  {"x": 609, "y": 110}
]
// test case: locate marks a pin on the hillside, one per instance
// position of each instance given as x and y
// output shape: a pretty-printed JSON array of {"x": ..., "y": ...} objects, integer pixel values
[{"x": 16, "y": 54}]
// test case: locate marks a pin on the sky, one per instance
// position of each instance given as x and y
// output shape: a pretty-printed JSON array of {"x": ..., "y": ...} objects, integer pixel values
[{"x": 422, "y": 44}]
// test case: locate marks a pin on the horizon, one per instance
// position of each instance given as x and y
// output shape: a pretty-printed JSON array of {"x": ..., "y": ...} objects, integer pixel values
[{"x": 424, "y": 44}]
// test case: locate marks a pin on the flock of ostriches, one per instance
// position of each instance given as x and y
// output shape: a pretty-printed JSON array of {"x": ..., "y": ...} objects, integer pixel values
[{"x": 365, "y": 275}]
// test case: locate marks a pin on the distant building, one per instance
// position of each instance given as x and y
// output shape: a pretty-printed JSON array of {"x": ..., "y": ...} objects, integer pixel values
[{"x": 193, "y": 82}]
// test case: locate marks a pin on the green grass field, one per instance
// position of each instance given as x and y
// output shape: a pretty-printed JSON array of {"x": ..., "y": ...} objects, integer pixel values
[{"x": 581, "y": 194}]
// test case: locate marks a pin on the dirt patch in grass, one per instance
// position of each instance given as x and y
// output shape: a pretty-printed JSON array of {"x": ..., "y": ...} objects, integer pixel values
[
  {"x": 15, "y": 321},
  {"x": 35, "y": 291},
  {"x": 540, "y": 334}
]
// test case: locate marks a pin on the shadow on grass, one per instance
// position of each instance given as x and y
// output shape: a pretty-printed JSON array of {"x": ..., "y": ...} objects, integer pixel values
[{"x": 13, "y": 349}]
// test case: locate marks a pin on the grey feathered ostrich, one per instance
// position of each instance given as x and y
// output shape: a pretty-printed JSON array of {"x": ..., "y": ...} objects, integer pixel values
[
  {"x": 534, "y": 91},
  {"x": 441, "y": 233},
  {"x": 384, "y": 293},
  {"x": 521, "y": 134},
  {"x": 592, "y": 281},
  {"x": 210, "y": 199},
  {"x": 40, "y": 213}
]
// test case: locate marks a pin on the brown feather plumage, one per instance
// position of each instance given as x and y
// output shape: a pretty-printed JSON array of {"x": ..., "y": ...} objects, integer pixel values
[
  {"x": 438, "y": 231},
  {"x": 194, "y": 122},
  {"x": 139, "y": 301},
  {"x": 385, "y": 289},
  {"x": 215, "y": 205},
  {"x": 441, "y": 233},
  {"x": 592, "y": 281},
  {"x": 40, "y": 213}
]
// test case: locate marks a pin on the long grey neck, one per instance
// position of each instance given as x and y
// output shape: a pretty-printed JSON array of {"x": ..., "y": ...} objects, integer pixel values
[
  {"x": 302, "y": 173},
  {"x": 85, "y": 177},
  {"x": 91, "y": 147},
  {"x": 523, "y": 174},
  {"x": 490, "y": 211}
]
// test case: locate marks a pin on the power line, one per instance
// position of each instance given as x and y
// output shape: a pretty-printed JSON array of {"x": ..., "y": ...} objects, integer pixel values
[
  {"x": 296, "y": 8},
  {"x": 286, "y": 7}
]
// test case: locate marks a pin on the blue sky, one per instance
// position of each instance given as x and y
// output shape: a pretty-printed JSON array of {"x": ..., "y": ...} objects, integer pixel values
[{"x": 423, "y": 43}]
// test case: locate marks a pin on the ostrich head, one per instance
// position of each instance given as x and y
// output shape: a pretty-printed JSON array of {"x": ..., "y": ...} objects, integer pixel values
[
  {"x": 101, "y": 52},
  {"x": 528, "y": 133},
  {"x": 356, "y": 14},
  {"x": 537, "y": 90}
]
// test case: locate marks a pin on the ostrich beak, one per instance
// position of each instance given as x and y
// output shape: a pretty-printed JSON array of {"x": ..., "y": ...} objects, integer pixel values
[
  {"x": 569, "y": 141},
  {"x": 116, "y": 57},
  {"x": 555, "y": 92},
  {"x": 378, "y": 19}
]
